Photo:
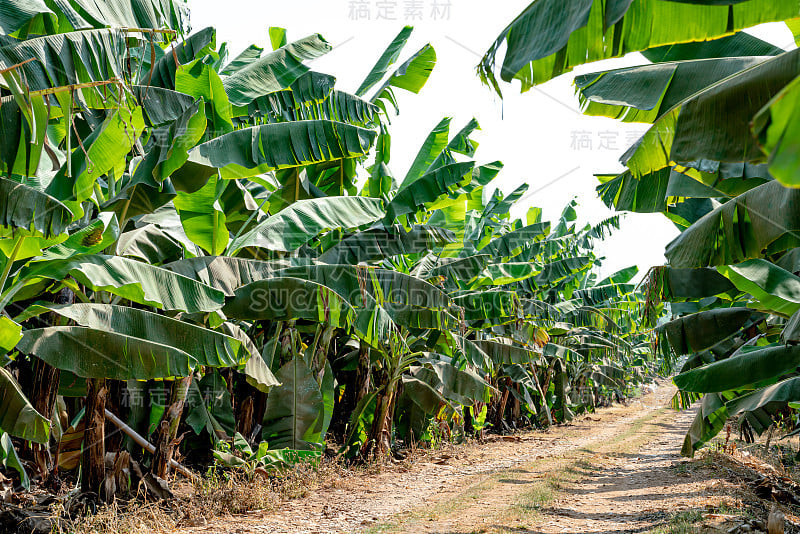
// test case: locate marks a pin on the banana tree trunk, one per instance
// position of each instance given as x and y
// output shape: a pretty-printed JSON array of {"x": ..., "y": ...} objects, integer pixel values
[
  {"x": 45, "y": 390},
  {"x": 379, "y": 442},
  {"x": 168, "y": 428},
  {"x": 499, "y": 416},
  {"x": 93, "y": 466},
  {"x": 356, "y": 387}
]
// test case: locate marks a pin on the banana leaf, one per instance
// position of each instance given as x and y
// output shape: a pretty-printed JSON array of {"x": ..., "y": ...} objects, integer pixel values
[
  {"x": 208, "y": 347},
  {"x": 293, "y": 417},
  {"x": 92, "y": 353},
  {"x": 19, "y": 418},
  {"x": 259, "y": 149},
  {"x": 302, "y": 221},
  {"x": 549, "y": 39},
  {"x": 703, "y": 330},
  {"x": 749, "y": 366},
  {"x": 776, "y": 290}
]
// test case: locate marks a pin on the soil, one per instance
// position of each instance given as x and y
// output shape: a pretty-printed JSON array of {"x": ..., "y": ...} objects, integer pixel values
[{"x": 617, "y": 470}]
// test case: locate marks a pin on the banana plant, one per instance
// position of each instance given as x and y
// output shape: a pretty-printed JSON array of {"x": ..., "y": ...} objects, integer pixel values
[{"x": 718, "y": 160}]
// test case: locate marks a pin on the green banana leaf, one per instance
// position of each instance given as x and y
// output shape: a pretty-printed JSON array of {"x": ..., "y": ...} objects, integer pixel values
[
  {"x": 646, "y": 92},
  {"x": 257, "y": 372},
  {"x": 244, "y": 59},
  {"x": 387, "y": 59},
  {"x": 489, "y": 307},
  {"x": 695, "y": 129},
  {"x": 274, "y": 71},
  {"x": 776, "y": 396},
  {"x": 692, "y": 284},
  {"x": 208, "y": 404},
  {"x": 742, "y": 370},
  {"x": 501, "y": 274},
  {"x": 196, "y": 46},
  {"x": 431, "y": 148},
  {"x": 776, "y": 128},
  {"x": 455, "y": 270},
  {"x": 739, "y": 44},
  {"x": 208, "y": 347},
  {"x": 723, "y": 238},
  {"x": 26, "y": 208},
  {"x": 354, "y": 283},
  {"x": 200, "y": 81},
  {"x": 68, "y": 58},
  {"x": 293, "y": 417},
  {"x": 149, "y": 244},
  {"x": 302, "y": 221},
  {"x": 504, "y": 354},
  {"x": 411, "y": 76},
  {"x": 776, "y": 290},
  {"x": 259, "y": 149},
  {"x": 92, "y": 353},
  {"x": 381, "y": 243},
  {"x": 549, "y": 39},
  {"x": 228, "y": 274},
  {"x": 130, "y": 279},
  {"x": 286, "y": 298},
  {"x": 24, "y": 118},
  {"x": 15, "y": 15},
  {"x": 510, "y": 244},
  {"x": 103, "y": 151},
  {"x": 157, "y": 14},
  {"x": 703, "y": 330},
  {"x": 93, "y": 238},
  {"x": 464, "y": 387},
  {"x": 19, "y": 418},
  {"x": 203, "y": 218},
  {"x": 412, "y": 197},
  {"x": 710, "y": 419},
  {"x": 10, "y": 334},
  {"x": 561, "y": 269}
]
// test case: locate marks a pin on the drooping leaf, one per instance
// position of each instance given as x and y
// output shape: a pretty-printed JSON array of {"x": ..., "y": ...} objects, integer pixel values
[
  {"x": 549, "y": 39},
  {"x": 208, "y": 347},
  {"x": 259, "y": 149},
  {"x": 305, "y": 219},
  {"x": 133, "y": 280},
  {"x": 741, "y": 229},
  {"x": 286, "y": 298},
  {"x": 380, "y": 243},
  {"x": 19, "y": 418},
  {"x": 776, "y": 290},
  {"x": 743, "y": 369},
  {"x": 646, "y": 92},
  {"x": 95, "y": 353},
  {"x": 703, "y": 330},
  {"x": 25, "y": 208},
  {"x": 694, "y": 130},
  {"x": 292, "y": 417}
]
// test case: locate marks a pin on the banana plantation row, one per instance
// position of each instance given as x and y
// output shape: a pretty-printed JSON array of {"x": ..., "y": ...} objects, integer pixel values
[
  {"x": 721, "y": 160},
  {"x": 209, "y": 259}
]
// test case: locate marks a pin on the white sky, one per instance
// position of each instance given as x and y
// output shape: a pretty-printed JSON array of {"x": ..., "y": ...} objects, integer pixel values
[{"x": 533, "y": 133}]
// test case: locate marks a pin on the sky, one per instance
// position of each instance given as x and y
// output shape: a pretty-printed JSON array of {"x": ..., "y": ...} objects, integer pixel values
[{"x": 541, "y": 136}]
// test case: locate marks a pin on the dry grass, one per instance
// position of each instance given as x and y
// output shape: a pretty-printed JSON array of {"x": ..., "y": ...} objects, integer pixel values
[{"x": 219, "y": 493}]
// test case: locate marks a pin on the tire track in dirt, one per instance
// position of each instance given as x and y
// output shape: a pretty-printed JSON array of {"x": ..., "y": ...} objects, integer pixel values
[{"x": 484, "y": 487}]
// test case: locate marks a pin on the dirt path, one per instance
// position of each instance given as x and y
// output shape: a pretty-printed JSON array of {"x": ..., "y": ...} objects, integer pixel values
[{"x": 617, "y": 470}]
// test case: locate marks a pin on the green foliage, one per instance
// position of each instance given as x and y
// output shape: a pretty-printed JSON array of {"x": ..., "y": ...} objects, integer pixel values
[{"x": 719, "y": 161}]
